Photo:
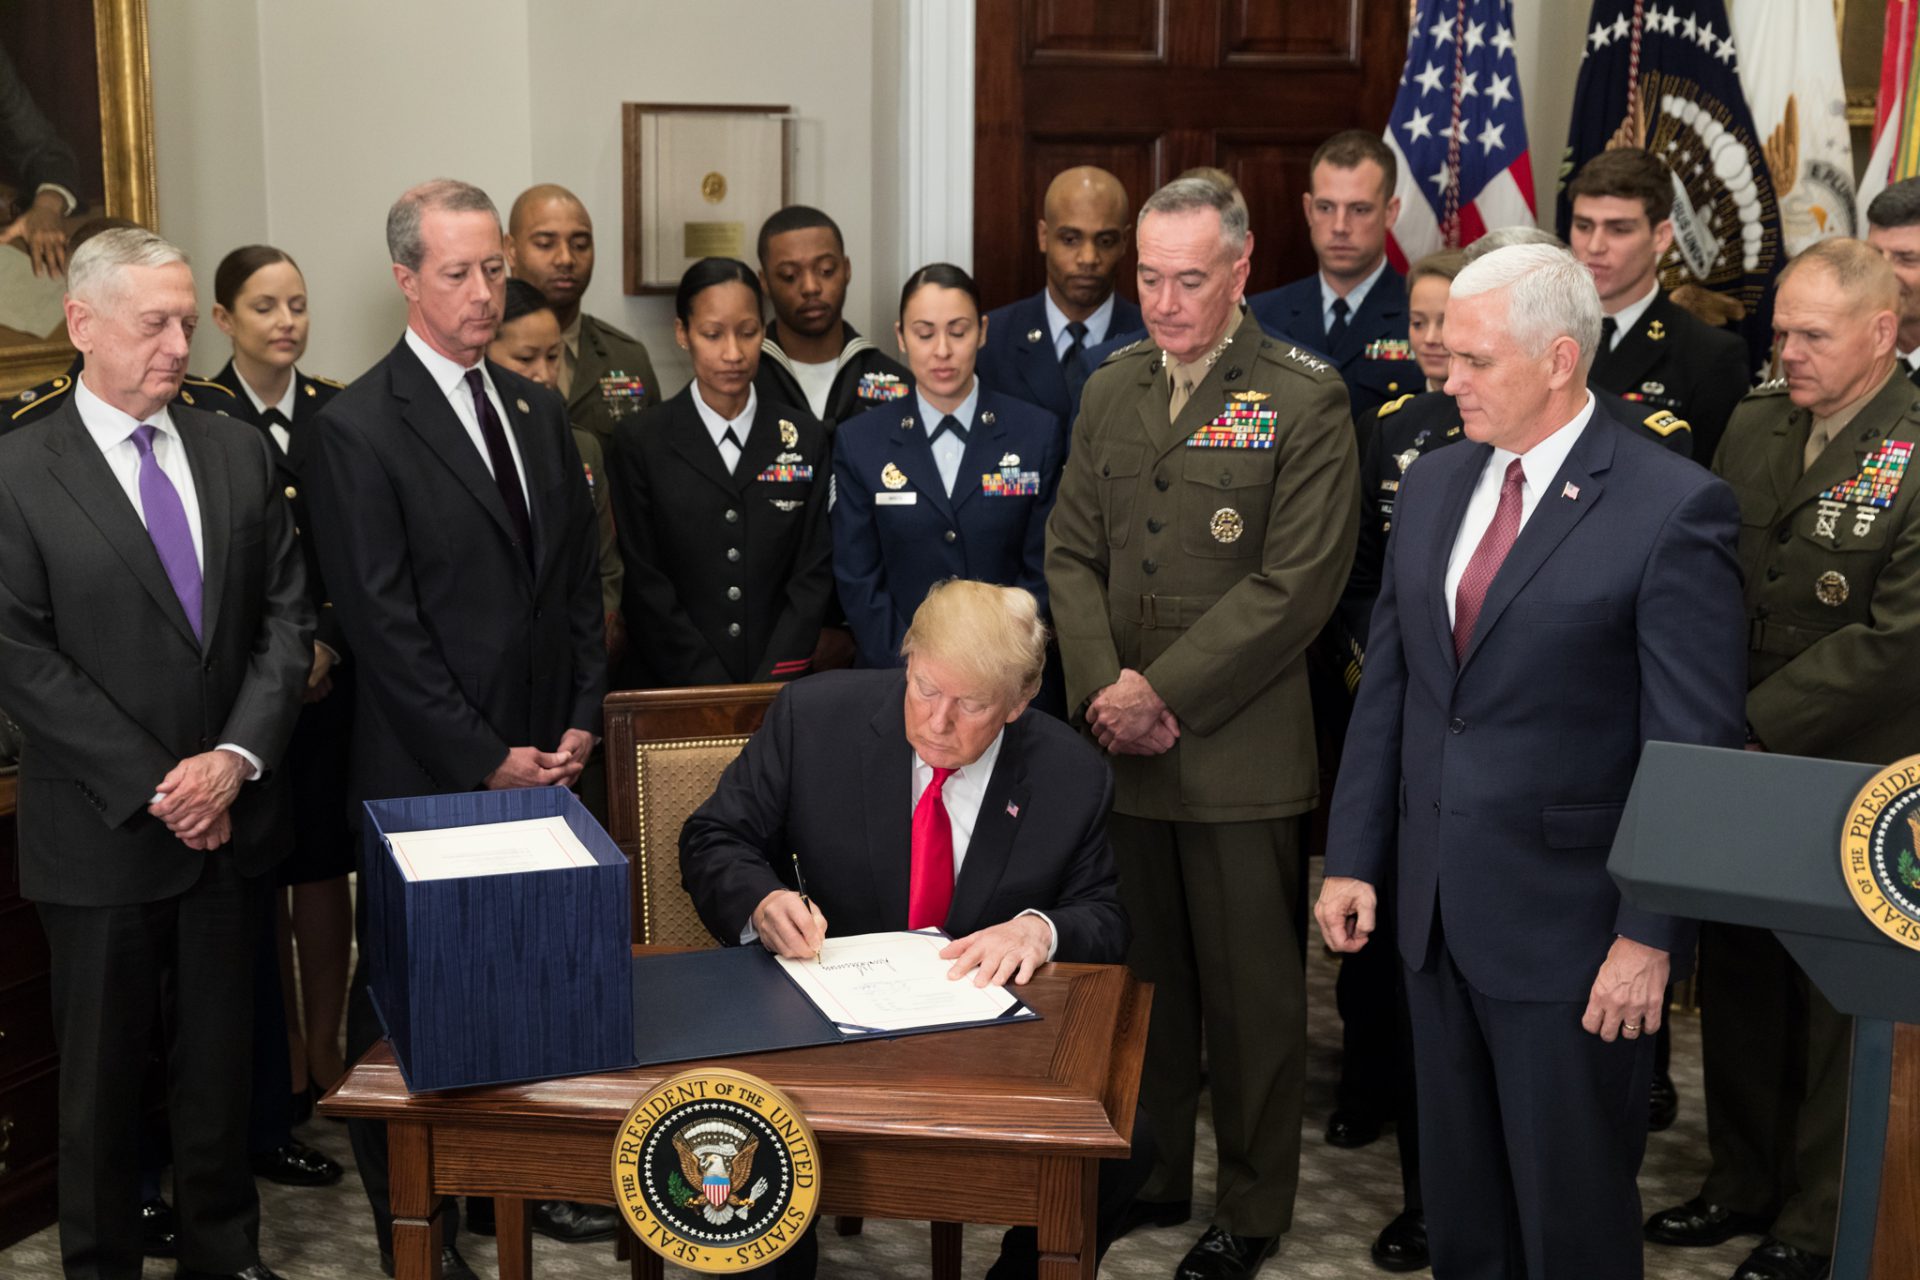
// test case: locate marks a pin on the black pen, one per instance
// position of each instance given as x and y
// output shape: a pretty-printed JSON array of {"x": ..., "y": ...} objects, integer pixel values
[{"x": 800, "y": 884}]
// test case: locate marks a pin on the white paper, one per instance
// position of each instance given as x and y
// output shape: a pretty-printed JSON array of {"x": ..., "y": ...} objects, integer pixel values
[
  {"x": 893, "y": 982},
  {"x": 29, "y": 303},
  {"x": 489, "y": 849}
]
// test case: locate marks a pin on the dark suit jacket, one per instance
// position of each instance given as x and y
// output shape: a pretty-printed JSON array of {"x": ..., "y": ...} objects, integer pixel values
[
  {"x": 1691, "y": 369},
  {"x": 462, "y": 649},
  {"x": 887, "y": 554},
  {"x": 728, "y": 575},
  {"x": 1293, "y": 312},
  {"x": 1499, "y": 781},
  {"x": 829, "y": 779},
  {"x": 1026, "y": 368},
  {"x": 100, "y": 667}
]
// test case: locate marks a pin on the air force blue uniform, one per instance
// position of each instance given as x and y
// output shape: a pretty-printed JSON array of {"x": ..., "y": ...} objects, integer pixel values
[{"x": 1028, "y": 368}]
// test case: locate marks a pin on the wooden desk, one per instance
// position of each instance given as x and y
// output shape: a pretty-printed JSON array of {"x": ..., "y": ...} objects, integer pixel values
[{"x": 994, "y": 1125}]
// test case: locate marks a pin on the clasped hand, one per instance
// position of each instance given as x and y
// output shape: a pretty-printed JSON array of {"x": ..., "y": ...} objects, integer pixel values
[
  {"x": 1129, "y": 719},
  {"x": 532, "y": 767},
  {"x": 1346, "y": 913},
  {"x": 195, "y": 797}
]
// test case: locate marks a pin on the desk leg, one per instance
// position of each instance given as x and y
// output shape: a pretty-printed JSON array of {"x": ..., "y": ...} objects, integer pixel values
[
  {"x": 417, "y": 1224},
  {"x": 1068, "y": 1213},
  {"x": 643, "y": 1263},
  {"x": 513, "y": 1238},
  {"x": 947, "y": 1238}
]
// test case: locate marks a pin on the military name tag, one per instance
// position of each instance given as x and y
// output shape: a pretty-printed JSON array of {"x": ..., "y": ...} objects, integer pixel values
[
  {"x": 880, "y": 387},
  {"x": 895, "y": 499},
  {"x": 787, "y": 473}
]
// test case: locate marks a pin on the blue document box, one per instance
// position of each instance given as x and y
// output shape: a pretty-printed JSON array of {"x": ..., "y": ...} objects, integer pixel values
[{"x": 499, "y": 978}]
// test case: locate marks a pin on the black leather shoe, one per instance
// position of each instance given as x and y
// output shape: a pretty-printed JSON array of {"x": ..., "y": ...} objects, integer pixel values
[
  {"x": 1222, "y": 1255},
  {"x": 1698, "y": 1224},
  {"x": 574, "y": 1223},
  {"x": 452, "y": 1265},
  {"x": 258, "y": 1271},
  {"x": 1152, "y": 1213},
  {"x": 296, "y": 1165},
  {"x": 1351, "y": 1129},
  {"x": 479, "y": 1215},
  {"x": 1663, "y": 1105},
  {"x": 1402, "y": 1244},
  {"x": 1775, "y": 1260},
  {"x": 157, "y": 1238}
]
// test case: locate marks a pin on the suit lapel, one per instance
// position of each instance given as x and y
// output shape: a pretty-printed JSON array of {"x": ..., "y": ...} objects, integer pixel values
[
  {"x": 428, "y": 415},
  {"x": 535, "y": 464},
  {"x": 885, "y": 755},
  {"x": 1554, "y": 517},
  {"x": 923, "y": 473},
  {"x": 83, "y": 472},
  {"x": 1440, "y": 552},
  {"x": 994, "y": 832},
  {"x": 984, "y": 445},
  {"x": 212, "y": 486}
]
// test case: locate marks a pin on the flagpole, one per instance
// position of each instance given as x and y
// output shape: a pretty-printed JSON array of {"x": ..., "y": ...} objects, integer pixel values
[{"x": 1450, "y": 217}]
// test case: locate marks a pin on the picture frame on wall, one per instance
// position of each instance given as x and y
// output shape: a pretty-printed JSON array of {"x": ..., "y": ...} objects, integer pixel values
[
  {"x": 77, "y": 101},
  {"x": 698, "y": 182}
]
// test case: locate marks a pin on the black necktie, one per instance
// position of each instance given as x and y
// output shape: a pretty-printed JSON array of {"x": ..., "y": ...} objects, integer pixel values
[
  {"x": 272, "y": 418},
  {"x": 1608, "y": 327},
  {"x": 1072, "y": 360},
  {"x": 1338, "y": 329},
  {"x": 739, "y": 446},
  {"x": 949, "y": 423},
  {"x": 1913, "y": 374},
  {"x": 506, "y": 476}
]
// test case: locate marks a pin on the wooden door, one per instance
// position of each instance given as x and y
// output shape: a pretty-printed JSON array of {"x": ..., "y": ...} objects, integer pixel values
[{"x": 1147, "y": 88}]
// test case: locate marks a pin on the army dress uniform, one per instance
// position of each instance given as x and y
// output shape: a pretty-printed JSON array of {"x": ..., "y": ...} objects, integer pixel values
[
  {"x": 1206, "y": 554},
  {"x": 866, "y": 379},
  {"x": 1671, "y": 359},
  {"x": 729, "y": 573},
  {"x": 36, "y": 403},
  {"x": 613, "y": 378},
  {"x": 1831, "y": 555}
]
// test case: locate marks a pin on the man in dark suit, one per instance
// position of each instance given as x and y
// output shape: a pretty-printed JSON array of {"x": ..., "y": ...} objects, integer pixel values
[
  {"x": 1353, "y": 309},
  {"x": 1893, "y": 227},
  {"x": 1651, "y": 349},
  {"x": 1555, "y": 593},
  {"x": 459, "y": 540},
  {"x": 979, "y": 816},
  {"x": 1036, "y": 349},
  {"x": 155, "y": 639}
]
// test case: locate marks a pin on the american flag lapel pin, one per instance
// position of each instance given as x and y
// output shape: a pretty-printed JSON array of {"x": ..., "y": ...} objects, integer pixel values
[
  {"x": 1571, "y": 490},
  {"x": 1013, "y": 810}
]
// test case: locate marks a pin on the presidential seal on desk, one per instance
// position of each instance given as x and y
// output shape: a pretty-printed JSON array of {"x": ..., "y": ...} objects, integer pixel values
[
  {"x": 716, "y": 1171},
  {"x": 1880, "y": 851}
]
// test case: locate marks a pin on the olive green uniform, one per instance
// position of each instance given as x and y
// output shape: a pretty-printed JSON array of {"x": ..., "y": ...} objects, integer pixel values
[
  {"x": 613, "y": 378},
  {"x": 1833, "y": 602},
  {"x": 1207, "y": 560}
]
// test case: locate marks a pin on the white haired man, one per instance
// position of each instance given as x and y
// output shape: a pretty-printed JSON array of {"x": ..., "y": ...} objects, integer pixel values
[{"x": 1555, "y": 593}]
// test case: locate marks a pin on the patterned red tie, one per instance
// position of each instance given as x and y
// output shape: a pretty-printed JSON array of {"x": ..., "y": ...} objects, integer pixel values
[
  {"x": 930, "y": 891},
  {"x": 1493, "y": 548}
]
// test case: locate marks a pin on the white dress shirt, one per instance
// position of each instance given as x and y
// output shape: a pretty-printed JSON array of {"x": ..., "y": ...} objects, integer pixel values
[
  {"x": 949, "y": 448},
  {"x": 1354, "y": 296},
  {"x": 1628, "y": 316},
  {"x": 1539, "y": 465},
  {"x": 112, "y": 431},
  {"x": 963, "y": 793},
  {"x": 280, "y": 434},
  {"x": 1097, "y": 324},
  {"x": 451, "y": 378},
  {"x": 718, "y": 426}
]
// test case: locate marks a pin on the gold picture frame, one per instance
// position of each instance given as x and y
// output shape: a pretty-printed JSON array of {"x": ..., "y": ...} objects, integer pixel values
[{"x": 126, "y": 154}]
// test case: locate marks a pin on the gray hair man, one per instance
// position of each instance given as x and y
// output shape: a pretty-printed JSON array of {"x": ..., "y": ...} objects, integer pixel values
[
  {"x": 1203, "y": 531},
  {"x": 155, "y": 638}
]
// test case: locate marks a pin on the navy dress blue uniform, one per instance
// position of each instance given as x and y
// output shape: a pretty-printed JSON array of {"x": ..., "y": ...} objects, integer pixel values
[
  {"x": 1021, "y": 355},
  {"x": 729, "y": 575},
  {"x": 1373, "y": 355},
  {"x": 1673, "y": 360},
  {"x": 896, "y": 531},
  {"x": 868, "y": 378}
]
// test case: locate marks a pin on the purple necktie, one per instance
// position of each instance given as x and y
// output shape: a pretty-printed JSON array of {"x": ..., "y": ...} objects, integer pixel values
[
  {"x": 167, "y": 526},
  {"x": 505, "y": 474}
]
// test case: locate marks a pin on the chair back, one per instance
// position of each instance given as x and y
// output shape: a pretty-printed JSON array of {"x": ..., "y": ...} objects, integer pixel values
[{"x": 666, "y": 750}]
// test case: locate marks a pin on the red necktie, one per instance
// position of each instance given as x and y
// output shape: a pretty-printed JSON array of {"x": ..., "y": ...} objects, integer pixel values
[
  {"x": 1493, "y": 548},
  {"x": 930, "y": 891}
]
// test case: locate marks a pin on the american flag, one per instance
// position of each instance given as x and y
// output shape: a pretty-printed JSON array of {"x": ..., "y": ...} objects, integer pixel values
[{"x": 1458, "y": 130}]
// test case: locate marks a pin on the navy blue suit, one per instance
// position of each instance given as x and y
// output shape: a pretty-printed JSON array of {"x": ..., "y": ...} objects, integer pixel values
[
  {"x": 1028, "y": 368},
  {"x": 1294, "y": 312},
  {"x": 1488, "y": 792},
  {"x": 890, "y": 544}
]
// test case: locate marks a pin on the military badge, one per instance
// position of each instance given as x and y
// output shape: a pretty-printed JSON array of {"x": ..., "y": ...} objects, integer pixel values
[
  {"x": 1034, "y": 335},
  {"x": 1009, "y": 460},
  {"x": 1389, "y": 349},
  {"x": 1880, "y": 851},
  {"x": 1242, "y": 424},
  {"x": 786, "y": 504},
  {"x": 1831, "y": 588},
  {"x": 880, "y": 387},
  {"x": 716, "y": 1171},
  {"x": 1873, "y": 490},
  {"x": 1010, "y": 481},
  {"x": 786, "y": 473},
  {"x": 1226, "y": 525},
  {"x": 893, "y": 477},
  {"x": 789, "y": 434},
  {"x": 789, "y": 456},
  {"x": 1405, "y": 460},
  {"x": 1657, "y": 331},
  {"x": 1653, "y": 388},
  {"x": 1250, "y": 397},
  {"x": 1318, "y": 366},
  {"x": 986, "y": 419},
  {"x": 622, "y": 393}
]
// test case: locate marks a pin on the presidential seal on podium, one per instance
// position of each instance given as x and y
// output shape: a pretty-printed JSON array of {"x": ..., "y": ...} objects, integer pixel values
[
  {"x": 716, "y": 1171},
  {"x": 1880, "y": 852}
]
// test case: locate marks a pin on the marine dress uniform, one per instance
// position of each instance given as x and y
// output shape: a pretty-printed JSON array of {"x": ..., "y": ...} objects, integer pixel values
[
  {"x": 1832, "y": 566},
  {"x": 726, "y": 546},
  {"x": 1204, "y": 547},
  {"x": 1668, "y": 358},
  {"x": 612, "y": 377}
]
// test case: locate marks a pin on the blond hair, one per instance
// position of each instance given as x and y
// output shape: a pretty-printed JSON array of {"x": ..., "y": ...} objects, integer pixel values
[{"x": 992, "y": 635}]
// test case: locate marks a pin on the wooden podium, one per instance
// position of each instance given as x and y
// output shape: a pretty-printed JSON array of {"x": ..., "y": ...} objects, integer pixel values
[
  {"x": 1752, "y": 838},
  {"x": 1001, "y": 1125}
]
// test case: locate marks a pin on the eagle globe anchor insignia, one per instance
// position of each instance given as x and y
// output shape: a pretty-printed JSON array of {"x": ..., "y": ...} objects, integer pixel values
[{"x": 717, "y": 1171}]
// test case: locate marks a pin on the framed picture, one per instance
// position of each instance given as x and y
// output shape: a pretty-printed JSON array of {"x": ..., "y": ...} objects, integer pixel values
[
  {"x": 699, "y": 181},
  {"x": 76, "y": 113}
]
